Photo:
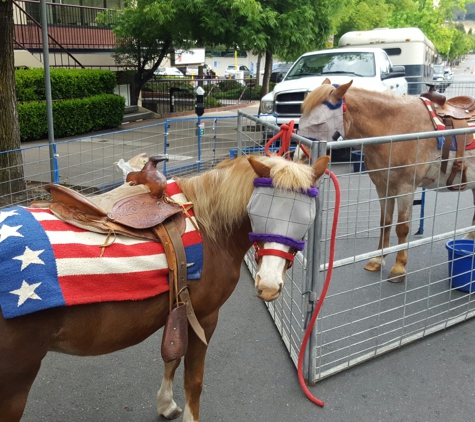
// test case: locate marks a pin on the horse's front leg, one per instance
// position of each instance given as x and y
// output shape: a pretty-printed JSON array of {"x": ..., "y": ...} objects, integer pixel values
[
  {"x": 386, "y": 221},
  {"x": 166, "y": 406},
  {"x": 194, "y": 368},
  {"x": 404, "y": 205}
]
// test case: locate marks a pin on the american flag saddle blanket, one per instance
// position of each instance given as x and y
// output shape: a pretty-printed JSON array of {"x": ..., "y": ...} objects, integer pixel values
[{"x": 48, "y": 263}]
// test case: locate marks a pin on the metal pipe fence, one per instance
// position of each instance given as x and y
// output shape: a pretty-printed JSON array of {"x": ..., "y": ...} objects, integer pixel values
[
  {"x": 176, "y": 94},
  {"x": 364, "y": 315}
]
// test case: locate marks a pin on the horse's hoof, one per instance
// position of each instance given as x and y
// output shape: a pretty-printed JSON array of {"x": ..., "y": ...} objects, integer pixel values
[
  {"x": 396, "y": 278},
  {"x": 373, "y": 265},
  {"x": 174, "y": 414}
]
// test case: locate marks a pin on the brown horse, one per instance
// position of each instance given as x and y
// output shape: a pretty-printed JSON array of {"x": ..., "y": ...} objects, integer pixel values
[
  {"x": 220, "y": 197},
  {"x": 396, "y": 169}
]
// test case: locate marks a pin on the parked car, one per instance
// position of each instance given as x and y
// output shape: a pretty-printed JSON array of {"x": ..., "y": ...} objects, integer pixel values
[
  {"x": 441, "y": 78},
  {"x": 231, "y": 71},
  {"x": 193, "y": 70},
  {"x": 367, "y": 67},
  {"x": 448, "y": 74},
  {"x": 169, "y": 71},
  {"x": 279, "y": 72}
]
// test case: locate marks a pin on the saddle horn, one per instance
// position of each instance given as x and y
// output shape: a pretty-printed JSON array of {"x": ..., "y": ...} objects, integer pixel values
[{"x": 150, "y": 176}]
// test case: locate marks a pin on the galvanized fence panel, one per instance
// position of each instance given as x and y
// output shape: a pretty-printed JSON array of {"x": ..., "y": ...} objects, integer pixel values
[{"x": 364, "y": 315}]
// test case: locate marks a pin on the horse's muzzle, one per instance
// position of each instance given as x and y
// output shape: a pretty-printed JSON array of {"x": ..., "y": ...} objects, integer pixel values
[{"x": 266, "y": 293}]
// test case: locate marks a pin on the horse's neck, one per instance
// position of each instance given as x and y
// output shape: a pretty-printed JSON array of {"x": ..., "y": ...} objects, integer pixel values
[
  {"x": 372, "y": 115},
  {"x": 219, "y": 203}
]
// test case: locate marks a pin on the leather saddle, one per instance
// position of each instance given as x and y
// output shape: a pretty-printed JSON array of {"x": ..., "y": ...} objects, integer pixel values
[
  {"x": 461, "y": 107},
  {"x": 132, "y": 209},
  {"x": 141, "y": 209},
  {"x": 456, "y": 113}
]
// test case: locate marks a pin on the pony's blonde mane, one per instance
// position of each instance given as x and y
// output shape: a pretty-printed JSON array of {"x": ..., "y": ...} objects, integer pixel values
[{"x": 220, "y": 196}]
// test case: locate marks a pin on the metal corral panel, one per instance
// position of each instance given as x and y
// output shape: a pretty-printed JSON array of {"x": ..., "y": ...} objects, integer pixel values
[{"x": 364, "y": 315}]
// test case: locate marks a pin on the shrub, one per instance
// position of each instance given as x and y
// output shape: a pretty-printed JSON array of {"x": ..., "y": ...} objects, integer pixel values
[
  {"x": 83, "y": 100},
  {"x": 65, "y": 83},
  {"x": 71, "y": 117}
]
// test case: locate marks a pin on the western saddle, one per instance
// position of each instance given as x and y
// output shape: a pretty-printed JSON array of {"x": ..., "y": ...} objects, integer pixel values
[
  {"x": 456, "y": 113},
  {"x": 140, "y": 209}
]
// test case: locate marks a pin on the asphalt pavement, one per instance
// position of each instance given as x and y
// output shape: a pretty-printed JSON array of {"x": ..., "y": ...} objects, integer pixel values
[{"x": 249, "y": 375}]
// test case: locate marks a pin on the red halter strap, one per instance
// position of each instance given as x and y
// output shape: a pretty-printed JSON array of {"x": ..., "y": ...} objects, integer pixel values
[{"x": 275, "y": 252}]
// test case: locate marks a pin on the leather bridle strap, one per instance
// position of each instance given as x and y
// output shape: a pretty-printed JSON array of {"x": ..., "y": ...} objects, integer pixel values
[
  {"x": 175, "y": 252},
  {"x": 274, "y": 252}
]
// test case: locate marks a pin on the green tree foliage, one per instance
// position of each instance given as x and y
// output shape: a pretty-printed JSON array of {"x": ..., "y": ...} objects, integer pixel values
[
  {"x": 363, "y": 15},
  {"x": 147, "y": 31},
  {"x": 295, "y": 27}
]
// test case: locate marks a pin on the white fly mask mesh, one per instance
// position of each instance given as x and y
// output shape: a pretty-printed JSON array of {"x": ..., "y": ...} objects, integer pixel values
[
  {"x": 281, "y": 216},
  {"x": 322, "y": 122}
]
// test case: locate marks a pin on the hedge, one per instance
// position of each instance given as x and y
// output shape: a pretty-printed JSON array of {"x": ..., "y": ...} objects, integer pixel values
[
  {"x": 65, "y": 83},
  {"x": 71, "y": 117},
  {"x": 83, "y": 101}
]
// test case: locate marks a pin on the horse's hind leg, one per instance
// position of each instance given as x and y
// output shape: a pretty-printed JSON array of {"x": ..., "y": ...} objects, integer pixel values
[{"x": 166, "y": 406}]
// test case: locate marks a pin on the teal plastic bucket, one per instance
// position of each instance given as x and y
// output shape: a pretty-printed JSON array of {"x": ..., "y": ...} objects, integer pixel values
[{"x": 461, "y": 264}]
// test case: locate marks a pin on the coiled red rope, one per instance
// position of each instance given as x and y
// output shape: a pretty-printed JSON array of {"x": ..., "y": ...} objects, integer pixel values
[{"x": 285, "y": 134}]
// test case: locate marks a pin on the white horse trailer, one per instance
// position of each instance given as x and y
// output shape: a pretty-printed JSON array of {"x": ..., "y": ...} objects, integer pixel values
[{"x": 407, "y": 47}]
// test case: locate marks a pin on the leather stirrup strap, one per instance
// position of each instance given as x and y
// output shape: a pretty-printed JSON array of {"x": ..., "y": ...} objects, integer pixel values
[
  {"x": 173, "y": 245},
  {"x": 446, "y": 146},
  {"x": 457, "y": 165}
]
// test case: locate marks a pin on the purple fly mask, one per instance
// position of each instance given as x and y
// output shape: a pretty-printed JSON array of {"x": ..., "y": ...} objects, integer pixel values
[
  {"x": 322, "y": 122},
  {"x": 279, "y": 215}
]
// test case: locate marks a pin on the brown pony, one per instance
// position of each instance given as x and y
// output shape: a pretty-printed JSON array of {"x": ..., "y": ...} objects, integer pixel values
[
  {"x": 220, "y": 197},
  {"x": 397, "y": 169}
]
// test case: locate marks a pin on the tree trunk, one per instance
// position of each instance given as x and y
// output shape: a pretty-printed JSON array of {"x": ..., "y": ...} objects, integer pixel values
[
  {"x": 258, "y": 69},
  {"x": 11, "y": 163},
  {"x": 267, "y": 73}
]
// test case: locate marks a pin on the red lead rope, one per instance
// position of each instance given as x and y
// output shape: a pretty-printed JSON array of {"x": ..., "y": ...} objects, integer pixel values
[
  {"x": 322, "y": 295},
  {"x": 285, "y": 133}
]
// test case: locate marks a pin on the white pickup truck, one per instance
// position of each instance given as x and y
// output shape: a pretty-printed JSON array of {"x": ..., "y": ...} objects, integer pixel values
[{"x": 369, "y": 68}]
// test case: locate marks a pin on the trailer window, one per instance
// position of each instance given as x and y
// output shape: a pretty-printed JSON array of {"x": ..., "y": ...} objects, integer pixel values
[{"x": 392, "y": 51}]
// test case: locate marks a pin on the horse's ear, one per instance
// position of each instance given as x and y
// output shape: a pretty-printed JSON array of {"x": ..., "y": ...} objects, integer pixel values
[
  {"x": 261, "y": 169},
  {"x": 340, "y": 92},
  {"x": 319, "y": 167},
  {"x": 326, "y": 82}
]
